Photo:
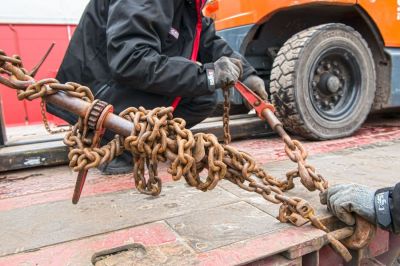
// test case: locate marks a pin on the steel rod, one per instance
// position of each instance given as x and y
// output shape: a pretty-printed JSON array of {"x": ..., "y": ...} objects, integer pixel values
[{"x": 79, "y": 107}]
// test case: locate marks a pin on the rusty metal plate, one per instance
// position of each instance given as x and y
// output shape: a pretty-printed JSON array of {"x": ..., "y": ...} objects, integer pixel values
[
  {"x": 216, "y": 227},
  {"x": 46, "y": 224}
]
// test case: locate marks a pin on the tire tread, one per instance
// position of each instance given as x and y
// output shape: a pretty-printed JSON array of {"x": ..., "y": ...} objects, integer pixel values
[{"x": 283, "y": 74}]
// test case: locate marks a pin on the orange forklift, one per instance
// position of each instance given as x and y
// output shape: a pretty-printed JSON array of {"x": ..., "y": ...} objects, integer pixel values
[{"x": 326, "y": 64}]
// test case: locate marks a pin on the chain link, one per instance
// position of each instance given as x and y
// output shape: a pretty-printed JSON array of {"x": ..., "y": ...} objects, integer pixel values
[
  {"x": 307, "y": 173},
  {"x": 225, "y": 117},
  {"x": 46, "y": 121}
]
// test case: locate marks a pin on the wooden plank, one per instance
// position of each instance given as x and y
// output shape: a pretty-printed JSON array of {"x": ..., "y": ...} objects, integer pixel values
[
  {"x": 48, "y": 224},
  {"x": 224, "y": 225},
  {"x": 31, "y": 147},
  {"x": 30, "y": 134},
  {"x": 32, "y": 155}
]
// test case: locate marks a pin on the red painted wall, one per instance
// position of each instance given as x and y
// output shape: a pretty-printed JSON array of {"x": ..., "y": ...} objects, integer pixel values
[{"x": 31, "y": 42}]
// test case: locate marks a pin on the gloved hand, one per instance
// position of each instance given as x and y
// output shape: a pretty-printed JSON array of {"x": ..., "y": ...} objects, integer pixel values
[
  {"x": 256, "y": 84},
  {"x": 346, "y": 199},
  {"x": 227, "y": 72}
]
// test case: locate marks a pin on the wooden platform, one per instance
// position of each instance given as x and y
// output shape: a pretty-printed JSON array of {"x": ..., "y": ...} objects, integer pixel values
[{"x": 182, "y": 226}]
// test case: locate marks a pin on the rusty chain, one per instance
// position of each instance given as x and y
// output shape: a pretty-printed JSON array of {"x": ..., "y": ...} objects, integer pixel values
[
  {"x": 159, "y": 137},
  {"x": 46, "y": 121},
  {"x": 225, "y": 116}
]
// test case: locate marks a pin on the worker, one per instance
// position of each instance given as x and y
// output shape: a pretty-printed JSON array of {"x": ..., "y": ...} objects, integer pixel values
[
  {"x": 381, "y": 207},
  {"x": 149, "y": 52}
]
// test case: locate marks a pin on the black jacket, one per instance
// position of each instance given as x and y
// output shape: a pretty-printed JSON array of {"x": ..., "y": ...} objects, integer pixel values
[
  {"x": 143, "y": 45},
  {"x": 387, "y": 207}
]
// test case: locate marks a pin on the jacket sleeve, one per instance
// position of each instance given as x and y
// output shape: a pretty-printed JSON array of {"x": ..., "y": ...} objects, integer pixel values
[
  {"x": 387, "y": 208},
  {"x": 134, "y": 30},
  {"x": 395, "y": 209},
  {"x": 212, "y": 47}
]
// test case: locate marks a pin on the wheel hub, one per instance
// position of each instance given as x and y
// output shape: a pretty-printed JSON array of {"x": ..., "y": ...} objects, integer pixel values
[
  {"x": 332, "y": 84},
  {"x": 329, "y": 83}
]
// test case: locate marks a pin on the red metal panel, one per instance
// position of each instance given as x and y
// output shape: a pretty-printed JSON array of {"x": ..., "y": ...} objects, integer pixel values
[
  {"x": 31, "y": 42},
  {"x": 79, "y": 252}
]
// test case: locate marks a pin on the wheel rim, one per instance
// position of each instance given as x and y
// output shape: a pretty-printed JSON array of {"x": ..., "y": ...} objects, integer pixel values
[{"x": 335, "y": 84}]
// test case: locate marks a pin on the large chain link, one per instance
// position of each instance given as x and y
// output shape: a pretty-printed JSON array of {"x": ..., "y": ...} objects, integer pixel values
[{"x": 159, "y": 137}]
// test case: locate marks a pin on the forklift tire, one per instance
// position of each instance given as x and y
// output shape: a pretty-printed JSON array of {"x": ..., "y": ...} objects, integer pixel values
[{"x": 323, "y": 82}]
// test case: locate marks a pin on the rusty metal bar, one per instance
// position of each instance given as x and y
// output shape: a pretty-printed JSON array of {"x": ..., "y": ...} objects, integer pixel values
[{"x": 79, "y": 107}]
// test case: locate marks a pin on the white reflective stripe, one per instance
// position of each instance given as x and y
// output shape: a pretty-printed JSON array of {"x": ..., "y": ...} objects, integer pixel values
[
  {"x": 211, "y": 77},
  {"x": 69, "y": 32},
  {"x": 42, "y": 11},
  {"x": 174, "y": 33}
]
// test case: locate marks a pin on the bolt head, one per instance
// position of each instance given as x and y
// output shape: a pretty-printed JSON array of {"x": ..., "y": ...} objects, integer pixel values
[{"x": 333, "y": 84}]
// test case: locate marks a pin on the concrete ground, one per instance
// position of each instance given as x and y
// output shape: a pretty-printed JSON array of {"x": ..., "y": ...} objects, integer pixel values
[{"x": 182, "y": 226}]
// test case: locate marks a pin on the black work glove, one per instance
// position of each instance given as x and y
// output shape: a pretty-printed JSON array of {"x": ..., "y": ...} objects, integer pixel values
[
  {"x": 227, "y": 72},
  {"x": 344, "y": 200},
  {"x": 256, "y": 84}
]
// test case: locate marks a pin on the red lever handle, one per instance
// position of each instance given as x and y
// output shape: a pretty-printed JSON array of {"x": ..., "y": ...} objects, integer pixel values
[{"x": 254, "y": 100}]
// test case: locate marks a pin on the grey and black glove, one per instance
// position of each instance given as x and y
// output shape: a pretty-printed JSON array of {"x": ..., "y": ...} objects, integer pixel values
[
  {"x": 256, "y": 84},
  {"x": 227, "y": 72},
  {"x": 345, "y": 200}
]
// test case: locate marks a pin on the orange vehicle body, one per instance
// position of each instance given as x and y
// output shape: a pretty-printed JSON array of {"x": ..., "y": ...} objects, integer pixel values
[
  {"x": 280, "y": 38},
  {"x": 384, "y": 13}
]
